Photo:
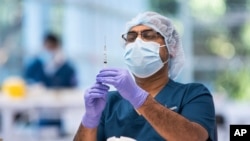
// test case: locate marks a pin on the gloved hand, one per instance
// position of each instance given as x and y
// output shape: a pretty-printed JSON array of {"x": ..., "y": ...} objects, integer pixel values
[
  {"x": 95, "y": 101},
  {"x": 123, "y": 82}
]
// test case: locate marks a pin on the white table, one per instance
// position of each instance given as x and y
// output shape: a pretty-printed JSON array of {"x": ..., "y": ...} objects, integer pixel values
[{"x": 37, "y": 99}]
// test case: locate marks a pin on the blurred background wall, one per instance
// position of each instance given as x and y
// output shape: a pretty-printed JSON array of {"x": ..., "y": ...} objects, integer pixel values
[{"x": 215, "y": 36}]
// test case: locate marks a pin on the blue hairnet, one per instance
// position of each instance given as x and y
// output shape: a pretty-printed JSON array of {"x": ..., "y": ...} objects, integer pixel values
[{"x": 164, "y": 26}]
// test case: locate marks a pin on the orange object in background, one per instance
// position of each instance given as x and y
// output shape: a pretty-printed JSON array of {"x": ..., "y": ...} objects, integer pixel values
[{"x": 14, "y": 87}]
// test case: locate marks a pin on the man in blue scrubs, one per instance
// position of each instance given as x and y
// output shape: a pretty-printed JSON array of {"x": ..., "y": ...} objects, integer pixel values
[
  {"x": 152, "y": 106},
  {"x": 53, "y": 70}
]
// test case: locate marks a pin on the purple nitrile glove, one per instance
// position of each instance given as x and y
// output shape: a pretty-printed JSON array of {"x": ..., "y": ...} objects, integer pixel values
[
  {"x": 95, "y": 101},
  {"x": 124, "y": 83}
]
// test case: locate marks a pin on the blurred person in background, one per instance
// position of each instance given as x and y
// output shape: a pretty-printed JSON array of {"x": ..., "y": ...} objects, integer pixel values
[
  {"x": 50, "y": 67},
  {"x": 150, "y": 105}
]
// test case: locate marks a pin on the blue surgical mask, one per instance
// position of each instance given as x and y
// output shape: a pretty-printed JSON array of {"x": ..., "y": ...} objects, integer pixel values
[
  {"x": 46, "y": 56},
  {"x": 143, "y": 58}
]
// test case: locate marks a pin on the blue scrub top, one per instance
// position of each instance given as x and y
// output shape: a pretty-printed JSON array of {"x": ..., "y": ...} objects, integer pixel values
[
  {"x": 64, "y": 76},
  {"x": 193, "y": 101}
]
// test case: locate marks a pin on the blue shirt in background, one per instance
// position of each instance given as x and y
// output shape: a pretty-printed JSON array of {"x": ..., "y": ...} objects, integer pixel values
[{"x": 63, "y": 77}]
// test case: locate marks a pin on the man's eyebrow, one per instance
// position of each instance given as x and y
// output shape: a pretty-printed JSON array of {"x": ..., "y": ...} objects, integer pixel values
[
  {"x": 149, "y": 29},
  {"x": 132, "y": 31}
]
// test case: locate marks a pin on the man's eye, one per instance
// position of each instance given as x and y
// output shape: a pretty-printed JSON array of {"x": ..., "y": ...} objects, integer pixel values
[
  {"x": 131, "y": 36},
  {"x": 149, "y": 36}
]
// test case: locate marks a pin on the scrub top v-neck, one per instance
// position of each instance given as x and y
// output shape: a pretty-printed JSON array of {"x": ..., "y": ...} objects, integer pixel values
[{"x": 193, "y": 101}]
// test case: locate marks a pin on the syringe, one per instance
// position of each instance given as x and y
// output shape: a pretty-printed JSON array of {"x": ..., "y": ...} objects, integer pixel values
[{"x": 105, "y": 61}]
